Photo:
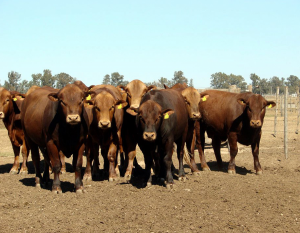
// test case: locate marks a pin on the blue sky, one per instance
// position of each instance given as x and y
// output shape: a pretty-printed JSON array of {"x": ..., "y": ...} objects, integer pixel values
[{"x": 147, "y": 40}]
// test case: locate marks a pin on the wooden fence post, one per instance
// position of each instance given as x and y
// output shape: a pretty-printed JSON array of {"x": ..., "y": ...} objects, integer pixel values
[
  {"x": 281, "y": 105},
  {"x": 298, "y": 108},
  {"x": 285, "y": 122}
]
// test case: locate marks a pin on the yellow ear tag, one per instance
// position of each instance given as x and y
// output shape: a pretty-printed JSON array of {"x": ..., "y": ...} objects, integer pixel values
[
  {"x": 120, "y": 106},
  {"x": 204, "y": 98},
  {"x": 14, "y": 99},
  {"x": 270, "y": 106},
  {"x": 166, "y": 116},
  {"x": 88, "y": 97}
]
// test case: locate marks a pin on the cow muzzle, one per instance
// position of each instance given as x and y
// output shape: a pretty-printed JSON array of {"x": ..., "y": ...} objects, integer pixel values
[
  {"x": 104, "y": 124},
  {"x": 196, "y": 116},
  {"x": 134, "y": 106},
  {"x": 73, "y": 119},
  {"x": 149, "y": 136},
  {"x": 255, "y": 123},
  {"x": 2, "y": 115}
]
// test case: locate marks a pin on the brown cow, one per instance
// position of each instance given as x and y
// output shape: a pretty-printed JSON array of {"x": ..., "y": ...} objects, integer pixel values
[
  {"x": 134, "y": 91},
  {"x": 192, "y": 101},
  {"x": 105, "y": 129},
  {"x": 56, "y": 121},
  {"x": 162, "y": 120},
  {"x": 10, "y": 105},
  {"x": 236, "y": 117}
]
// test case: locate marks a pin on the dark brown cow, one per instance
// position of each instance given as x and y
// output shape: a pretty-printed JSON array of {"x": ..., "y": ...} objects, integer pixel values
[
  {"x": 133, "y": 93},
  {"x": 105, "y": 130},
  {"x": 192, "y": 100},
  {"x": 236, "y": 117},
  {"x": 10, "y": 103},
  {"x": 162, "y": 120},
  {"x": 56, "y": 121}
]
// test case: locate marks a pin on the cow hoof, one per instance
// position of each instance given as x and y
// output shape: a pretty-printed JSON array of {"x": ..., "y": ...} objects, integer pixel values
[
  {"x": 197, "y": 173},
  {"x": 149, "y": 184},
  {"x": 232, "y": 172},
  {"x": 80, "y": 191},
  {"x": 182, "y": 178},
  {"x": 38, "y": 186},
  {"x": 56, "y": 191},
  {"x": 13, "y": 172},
  {"x": 170, "y": 186},
  {"x": 259, "y": 172},
  {"x": 112, "y": 179},
  {"x": 23, "y": 172},
  {"x": 206, "y": 169},
  {"x": 87, "y": 177},
  {"x": 63, "y": 171}
]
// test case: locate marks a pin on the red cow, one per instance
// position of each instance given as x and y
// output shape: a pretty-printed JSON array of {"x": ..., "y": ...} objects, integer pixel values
[
  {"x": 56, "y": 121},
  {"x": 105, "y": 129},
  {"x": 10, "y": 103},
  {"x": 162, "y": 119},
  {"x": 236, "y": 117}
]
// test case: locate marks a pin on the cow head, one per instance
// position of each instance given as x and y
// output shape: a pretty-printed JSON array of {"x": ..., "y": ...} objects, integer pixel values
[
  {"x": 135, "y": 90},
  {"x": 150, "y": 116},
  {"x": 104, "y": 107},
  {"x": 255, "y": 107},
  {"x": 8, "y": 102},
  {"x": 70, "y": 100},
  {"x": 192, "y": 100}
]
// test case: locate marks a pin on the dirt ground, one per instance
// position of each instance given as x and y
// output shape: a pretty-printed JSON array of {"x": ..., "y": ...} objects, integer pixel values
[{"x": 214, "y": 201}]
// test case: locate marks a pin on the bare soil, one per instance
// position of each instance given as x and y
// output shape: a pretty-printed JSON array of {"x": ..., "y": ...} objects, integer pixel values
[{"x": 214, "y": 201}]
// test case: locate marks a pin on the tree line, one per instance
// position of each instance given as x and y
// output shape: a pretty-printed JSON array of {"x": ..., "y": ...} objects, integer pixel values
[{"x": 219, "y": 80}]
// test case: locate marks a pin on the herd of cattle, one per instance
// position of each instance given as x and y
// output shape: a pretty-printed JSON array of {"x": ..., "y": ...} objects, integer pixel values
[{"x": 78, "y": 119}]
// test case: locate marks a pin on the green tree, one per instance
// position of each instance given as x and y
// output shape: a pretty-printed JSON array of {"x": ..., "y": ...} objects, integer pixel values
[
  {"x": 62, "y": 79},
  {"x": 117, "y": 79},
  {"x": 47, "y": 79},
  {"x": 179, "y": 78},
  {"x": 276, "y": 82},
  {"x": 191, "y": 84},
  {"x": 106, "y": 79},
  {"x": 255, "y": 83},
  {"x": 13, "y": 83},
  {"x": 264, "y": 86},
  {"x": 237, "y": 80},
  {"x": 293, "y": 83},
  {"x": 36, "y": 80},
  {"x": 219, "y": 81},
  {"x": 24, "y": 86}
]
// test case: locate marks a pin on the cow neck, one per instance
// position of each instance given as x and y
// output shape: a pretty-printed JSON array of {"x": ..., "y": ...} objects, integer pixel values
[{"x": 9, "y": 117}]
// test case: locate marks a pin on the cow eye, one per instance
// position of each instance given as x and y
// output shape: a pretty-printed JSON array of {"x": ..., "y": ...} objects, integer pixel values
[
  {"x": 249, "y": 109},
  {"x": 98, "y": 109},
  {"x": 7, "y": 100},
  {"x": 112, "y": 107},
  {"x": 128, "y": 95},
  {"x": 63, "y": 103}
]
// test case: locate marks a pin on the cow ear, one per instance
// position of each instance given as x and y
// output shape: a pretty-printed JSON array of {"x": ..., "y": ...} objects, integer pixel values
[
  {"x": 151, "y": 87},
  {"x": 121, "y": 104},
  {"x": 53, "y": 96},
  {"x": 270, "y": 104},
  {"x": 241, "y": 102},
  {"x": 89, "y": 95},
  {"x": 132, "y": 112},
  {"x": 204, "y": 98},
  {"x": 90, "y": 87},
  {"x": 166, "y": 87},
  {"x": 167, "y": 113},
  {"x": 17, "y": 96}
]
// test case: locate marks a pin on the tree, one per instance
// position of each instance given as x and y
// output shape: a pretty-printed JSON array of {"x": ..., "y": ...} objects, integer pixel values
[
  {"x": 264, "y": 86},
  {"x": 62, "y": 79},
  {"x": 191, "y": 84},
  {"x": 237, "y": 80},
  {"x": 219, "y": 81},
  {"x": 293, "y": 83},
  {"x": 36, "y": 80},
  {"x": 117, "y": 79},
  {"x": 179, "y": 78},
  {"x": 276, "y": 82},
  {"x": 47, "y": 79},
  {"x": 106, "y": 79},
  {"x": 24, "y": 86},
  {"x": 13, "y": 81},
  {"x": 255, "y": 83}
]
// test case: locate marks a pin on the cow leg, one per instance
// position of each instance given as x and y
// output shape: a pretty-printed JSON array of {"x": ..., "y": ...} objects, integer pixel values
[
  {"x": 216, "y": 143},
  {"x": 181, "y": 173},
  {"x": 111, "y": 156},
  {"x": 56, "y": 166},
  {"x": 255, "y": 153},
  {"x": 88, "y": 171},
  {"x": 77, "y": 165},
  {"x": 200, "y": 143},
  {"x": 190, "y": 145},
  {"x": 35, "y": 155},
  {"x": 16, "y": 165},
  {"x": 129, "y": 158},
  {"x": 25, "y": 153},
  {"x": 63, "y": 163},
  {"x": 168, "y": 163},
  {"x": 232, "y": 139}
]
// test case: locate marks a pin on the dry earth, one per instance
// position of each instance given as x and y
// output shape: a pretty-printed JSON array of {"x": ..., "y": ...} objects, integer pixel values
[{"x": 212, "y": 202}]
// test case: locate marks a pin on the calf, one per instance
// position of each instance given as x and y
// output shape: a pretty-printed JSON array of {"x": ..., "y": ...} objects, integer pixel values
[
  {"x": 162, "y": 119},
  {"x": 10, "y": 105},
  {"x": 56, "y": 121},
  {"x": 236, "y": 117},
  {"x": 105, "y": 129}
]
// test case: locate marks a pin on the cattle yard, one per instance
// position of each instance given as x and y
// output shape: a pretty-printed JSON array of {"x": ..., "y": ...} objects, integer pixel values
[{"x": 213, "y": 201}]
